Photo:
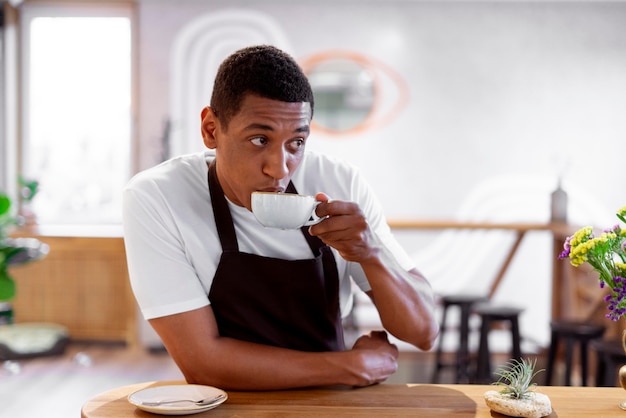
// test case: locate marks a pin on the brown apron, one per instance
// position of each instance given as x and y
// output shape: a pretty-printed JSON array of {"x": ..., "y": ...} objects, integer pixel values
[{"x": 285, "y": 303}]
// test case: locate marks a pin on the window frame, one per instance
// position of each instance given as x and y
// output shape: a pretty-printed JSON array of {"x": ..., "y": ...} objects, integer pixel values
[{"x": 29, "y": 12}]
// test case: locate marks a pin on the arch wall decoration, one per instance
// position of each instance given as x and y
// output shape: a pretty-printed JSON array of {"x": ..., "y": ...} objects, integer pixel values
[{"x": 197, "y": 51}]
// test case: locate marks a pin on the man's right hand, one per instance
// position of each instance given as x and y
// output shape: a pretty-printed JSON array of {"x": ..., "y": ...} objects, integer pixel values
[{"x": 377, "y": 358}]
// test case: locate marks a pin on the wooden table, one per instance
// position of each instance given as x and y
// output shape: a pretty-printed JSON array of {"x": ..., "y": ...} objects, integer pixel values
[{"x": 384, "y": 400}]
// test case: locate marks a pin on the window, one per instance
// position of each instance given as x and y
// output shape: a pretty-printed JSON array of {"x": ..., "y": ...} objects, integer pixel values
[{"x": 76, "y": 117}]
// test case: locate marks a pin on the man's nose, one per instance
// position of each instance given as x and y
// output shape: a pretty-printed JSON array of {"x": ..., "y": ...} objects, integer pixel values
[{"x": 276, "y": 164}]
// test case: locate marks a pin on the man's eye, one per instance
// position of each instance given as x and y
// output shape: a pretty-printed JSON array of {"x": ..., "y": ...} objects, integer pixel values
[
  {"x": 296, "y": 144},
  {"x": 259, "y": 141}
]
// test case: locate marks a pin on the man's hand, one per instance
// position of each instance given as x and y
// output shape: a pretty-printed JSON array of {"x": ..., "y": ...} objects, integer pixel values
[
  {"x": 377, "y": 357},
  {"x": 345, "y": 229}
]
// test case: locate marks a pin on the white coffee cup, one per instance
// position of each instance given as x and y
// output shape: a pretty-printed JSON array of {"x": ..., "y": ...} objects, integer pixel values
[{"x": 284, "y": 210}]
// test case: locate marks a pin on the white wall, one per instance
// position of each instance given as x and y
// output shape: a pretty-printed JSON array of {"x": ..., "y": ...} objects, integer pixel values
[{"x": 504, "y": 97}]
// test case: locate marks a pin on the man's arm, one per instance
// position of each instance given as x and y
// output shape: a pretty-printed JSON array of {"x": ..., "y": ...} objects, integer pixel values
[
  {"x": 404, "y": 300},
  {"x": 193, "y": 341}
]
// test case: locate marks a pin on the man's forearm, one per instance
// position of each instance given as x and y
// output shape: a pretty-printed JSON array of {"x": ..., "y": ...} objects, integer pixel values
[
  {"x": 206, "y": 358},
  {"x": 404, "y": 299},
  {"x": 238, "y": 365}
]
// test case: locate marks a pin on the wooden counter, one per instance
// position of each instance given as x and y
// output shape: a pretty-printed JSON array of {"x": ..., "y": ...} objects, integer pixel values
[
  {"x": 384, "y": 400},
  {"x": 81, "y": 284}
]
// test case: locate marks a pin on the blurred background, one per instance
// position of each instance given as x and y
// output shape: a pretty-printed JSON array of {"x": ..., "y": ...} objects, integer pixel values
[{"x": 462, "y": 111}]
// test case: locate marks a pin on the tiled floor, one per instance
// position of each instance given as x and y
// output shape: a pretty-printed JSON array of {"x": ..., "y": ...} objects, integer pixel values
[{"x": 57, "y": 387}]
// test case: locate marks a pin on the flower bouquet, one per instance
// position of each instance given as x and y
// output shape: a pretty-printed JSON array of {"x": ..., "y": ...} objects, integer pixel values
[{"x": 607, "y": 255}]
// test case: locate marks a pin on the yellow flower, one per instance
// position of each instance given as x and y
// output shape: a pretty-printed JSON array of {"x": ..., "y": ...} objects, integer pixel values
[
  {"x": 578, "y": 254},
  {"x": 606, "y": 236},
  {"x": 581, "y": 236}
]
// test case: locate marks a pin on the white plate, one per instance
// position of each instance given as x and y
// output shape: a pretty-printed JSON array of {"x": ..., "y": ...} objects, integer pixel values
[{"x": 173, "y": 392}]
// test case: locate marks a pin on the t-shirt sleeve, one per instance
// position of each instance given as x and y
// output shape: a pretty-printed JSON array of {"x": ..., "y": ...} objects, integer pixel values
[
  {"x": 373, "y": 211},
  {"x": 161, "y": 276}
]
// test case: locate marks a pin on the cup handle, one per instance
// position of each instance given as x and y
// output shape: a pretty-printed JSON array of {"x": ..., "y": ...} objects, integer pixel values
[{"x": 314, "y": 218}]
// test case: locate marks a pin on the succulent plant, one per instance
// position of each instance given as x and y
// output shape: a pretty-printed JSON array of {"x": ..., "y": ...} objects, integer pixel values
[{"x": 516, "y": 377}]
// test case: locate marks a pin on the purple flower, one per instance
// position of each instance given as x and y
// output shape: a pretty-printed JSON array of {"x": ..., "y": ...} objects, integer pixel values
[
  {"x": 616, "y": 299},
  {"x": 567, "y": 248}
]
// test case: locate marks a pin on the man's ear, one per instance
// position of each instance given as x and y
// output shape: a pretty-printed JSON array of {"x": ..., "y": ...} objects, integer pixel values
[{"x": 208, "y": 127}]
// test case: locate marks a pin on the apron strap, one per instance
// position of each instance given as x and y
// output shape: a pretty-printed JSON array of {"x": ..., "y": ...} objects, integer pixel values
[{"x": 223, "y": 218}]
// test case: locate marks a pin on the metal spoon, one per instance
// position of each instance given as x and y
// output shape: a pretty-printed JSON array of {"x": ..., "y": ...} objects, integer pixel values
[{"x": 201, "y": 402}]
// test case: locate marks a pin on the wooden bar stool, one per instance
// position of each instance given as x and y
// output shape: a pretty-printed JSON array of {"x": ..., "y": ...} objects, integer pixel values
[
  {"x": 571, "y": 332},
  {"x": 465, "y": 303},
  {"x": 491, "y": 314},
  {"x": 611, "y": 357}
]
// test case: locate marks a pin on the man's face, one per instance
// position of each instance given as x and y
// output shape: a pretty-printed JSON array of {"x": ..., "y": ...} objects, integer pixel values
[{"x": 261, "y": 147}]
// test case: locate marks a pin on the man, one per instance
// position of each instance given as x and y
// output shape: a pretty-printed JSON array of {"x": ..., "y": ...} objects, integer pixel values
[{"x": 241, "y": 306}]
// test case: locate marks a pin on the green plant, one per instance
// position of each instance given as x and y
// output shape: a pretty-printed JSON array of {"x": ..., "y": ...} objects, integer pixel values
[
  {"x": 29, "y": 188},
  {"x": 516, "y": 377},
  {"x": 14, "y": 251}
]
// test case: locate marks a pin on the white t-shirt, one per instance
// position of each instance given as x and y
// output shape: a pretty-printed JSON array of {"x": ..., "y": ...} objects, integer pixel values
[{"x": 172, "y": 244}]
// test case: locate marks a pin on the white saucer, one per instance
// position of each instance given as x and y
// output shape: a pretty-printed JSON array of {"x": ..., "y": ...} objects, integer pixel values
[{"x": 172, "y": 392}]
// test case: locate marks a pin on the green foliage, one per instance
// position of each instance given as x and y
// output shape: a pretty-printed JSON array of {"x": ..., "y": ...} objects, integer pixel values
[
  {"x": 516, "y": 377},
  {"x": 29, "y": 188},
  {"x": 6, "y": 220},
  {"x": 14, "y": 251},
  {"x": 7, "y": 285}
]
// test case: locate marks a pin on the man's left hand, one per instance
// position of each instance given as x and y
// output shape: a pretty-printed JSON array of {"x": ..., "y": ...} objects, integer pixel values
[{"x": 345, "y": 228}]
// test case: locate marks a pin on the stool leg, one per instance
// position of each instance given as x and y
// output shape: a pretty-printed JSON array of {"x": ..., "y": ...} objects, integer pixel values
[
  {"x": 610, "y": 371},
  {"x": 601, "y": 372},
  {"x": 516, "y": 340},
  {"x": 463, "y": 354},
  {"x": 569, "y": 354},
  {"x": 483, "y": 368},
  {"x": 439, "y": 353},
  {"x": 551, "y": 357},
  {"x": 583, "y": 362}
]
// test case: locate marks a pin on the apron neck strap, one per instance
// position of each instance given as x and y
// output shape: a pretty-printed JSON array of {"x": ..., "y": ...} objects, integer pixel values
[{"x": 223, "y": 218}]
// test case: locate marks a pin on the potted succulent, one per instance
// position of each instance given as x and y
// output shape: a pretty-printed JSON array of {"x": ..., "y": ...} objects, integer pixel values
[
  {"x": 517, "y": 398},
  {"x": 14, "y": 251}
]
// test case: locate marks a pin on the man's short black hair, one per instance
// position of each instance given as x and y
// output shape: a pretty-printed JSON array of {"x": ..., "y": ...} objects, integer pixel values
[{"x": 261, "y": 70}]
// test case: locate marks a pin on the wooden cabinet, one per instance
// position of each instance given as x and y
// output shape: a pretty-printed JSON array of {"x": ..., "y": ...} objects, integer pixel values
[{"x": 82, "y": 284}]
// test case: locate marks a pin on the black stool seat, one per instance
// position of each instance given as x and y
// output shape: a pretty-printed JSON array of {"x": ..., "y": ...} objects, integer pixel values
[
  {"x": 571, "y": 332},
  {"x": 491, "y": 314},
  {"x": 465, "y": 304},
  {"x": 611, "y": 357}
]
